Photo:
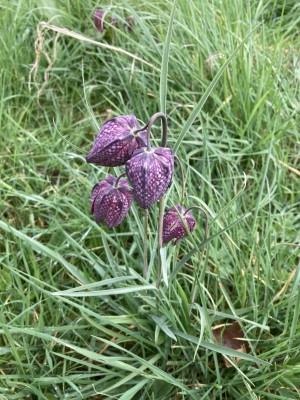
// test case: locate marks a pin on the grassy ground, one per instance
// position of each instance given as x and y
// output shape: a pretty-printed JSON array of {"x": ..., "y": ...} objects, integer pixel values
[{"x": 116, "y": 339}]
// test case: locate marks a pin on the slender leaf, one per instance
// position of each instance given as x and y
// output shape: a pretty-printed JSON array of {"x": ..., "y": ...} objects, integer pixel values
[{"x": 207, "y": 93}]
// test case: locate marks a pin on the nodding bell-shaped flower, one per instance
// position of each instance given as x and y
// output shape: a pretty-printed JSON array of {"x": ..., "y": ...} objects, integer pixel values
[
  {"x": 150, "y": 173},
  {"x": 111, "y": 200},
  {"x": 99, "y": 20},
  {"x": 150, "y": 169},
  {"x": 173, "y": 228},
  {"x": 116, "y": 141}
]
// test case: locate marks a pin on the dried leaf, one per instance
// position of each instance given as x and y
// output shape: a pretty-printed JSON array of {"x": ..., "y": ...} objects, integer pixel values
[{"x": 231, "y": 336}]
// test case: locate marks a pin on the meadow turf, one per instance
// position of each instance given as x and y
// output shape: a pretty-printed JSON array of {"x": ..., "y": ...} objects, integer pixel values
[{"x": 77, "y": 319}]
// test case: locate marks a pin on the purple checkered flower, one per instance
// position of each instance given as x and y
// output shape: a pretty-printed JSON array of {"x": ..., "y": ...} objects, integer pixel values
[
  {"x": 99, "y": 20},
  {"x": 173, "y": 228},
  {"x": 150, "y": 173},
  {"x": 111, "y": 200},
  {"x": 116, "y": 141}
]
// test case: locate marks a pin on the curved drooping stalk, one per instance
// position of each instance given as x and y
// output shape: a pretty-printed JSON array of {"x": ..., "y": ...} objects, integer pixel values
[
  {"x": 148, "y": 126},
  {"x": 206, "y": 217},
  {"x": 164, "y": 126},
  {"x": 119, "y": 177},
  {"x": 182, "y": 179}
]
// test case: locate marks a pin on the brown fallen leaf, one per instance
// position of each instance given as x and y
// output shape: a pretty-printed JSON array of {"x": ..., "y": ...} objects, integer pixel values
[{"x": 231, "y": 336}]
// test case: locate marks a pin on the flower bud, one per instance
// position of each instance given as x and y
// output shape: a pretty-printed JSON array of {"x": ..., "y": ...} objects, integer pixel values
[
  {"x": 111, "y": 200},
  {"x": 99, "y": 20},
  {"x": 150, "y": 173},
  {"x": 116, "y": 141},
  {"x": 173, "y": 228}
]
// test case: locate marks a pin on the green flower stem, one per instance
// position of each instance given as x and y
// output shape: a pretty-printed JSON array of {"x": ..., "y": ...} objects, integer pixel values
[
  {"x": 145, "y": 271},
  {"x": 160, "y": 238},
  {"x": 148, "y": 126},
  {"x": 162, "y": 200},
  {"x": 164, "y": 125}
]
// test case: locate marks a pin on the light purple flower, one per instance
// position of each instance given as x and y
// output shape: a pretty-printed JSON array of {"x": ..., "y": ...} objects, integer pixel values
[
  {"x": 116, "y": 141},
  {"x": 173, "y": 228},
  {"x": 110, "y": 202},
  {"x": 150, "y": 173}
]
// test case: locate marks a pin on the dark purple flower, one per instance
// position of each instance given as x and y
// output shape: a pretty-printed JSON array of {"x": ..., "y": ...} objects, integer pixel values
[
  {"x": 111, "y": 201},
  {"x": 150, "y": 173},
  {"x": 116, "y": 141},
  {"x": 99, "y": 20},
  {"x": 173, "y": 228}
]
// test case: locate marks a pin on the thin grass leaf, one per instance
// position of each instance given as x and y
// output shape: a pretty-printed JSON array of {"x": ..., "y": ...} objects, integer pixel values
[
  {"x": 221, "y": 349},
  {"x": 190, "y": 254},
  {"x": 163, "y": 327},
  {"x": 131, "y": 376},
  {"x": 39, "y": 247},
  {"x": 207, "y": 93},
  {"x": 128, "y": 395},
  {"x": 164, "y": 64},
  {"x": 79, "y": 36},
  {"x": 104, "y": 282},
  {"x": 107, "y": 292},
  {"x": 159, "y": 374},
  {"x": 164, "y": 268}
]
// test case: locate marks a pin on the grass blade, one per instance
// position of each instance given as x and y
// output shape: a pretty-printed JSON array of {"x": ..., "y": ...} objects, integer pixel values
[
  {"x": 163, "y": 327},
  {"x": 207, "y": 93},
  {"x": 221, "y": 349},
  {"x": 108, "y": 292},
  {"x": 40, "y": 247},
  {"x": 165, "y": 62}
]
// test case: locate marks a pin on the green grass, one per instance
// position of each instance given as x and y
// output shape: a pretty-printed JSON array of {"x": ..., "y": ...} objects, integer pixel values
[{"x": 77, "y": 318}]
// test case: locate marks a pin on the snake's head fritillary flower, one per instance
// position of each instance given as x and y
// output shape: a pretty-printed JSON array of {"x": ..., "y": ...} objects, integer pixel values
[
  {"x": 173, "y": 228},
  {"x": 99, "y": 20},
  {"x": 116, "y": 141},
  {"x": 111, "y": 200},
  {"x": 150, "y": 173}
]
